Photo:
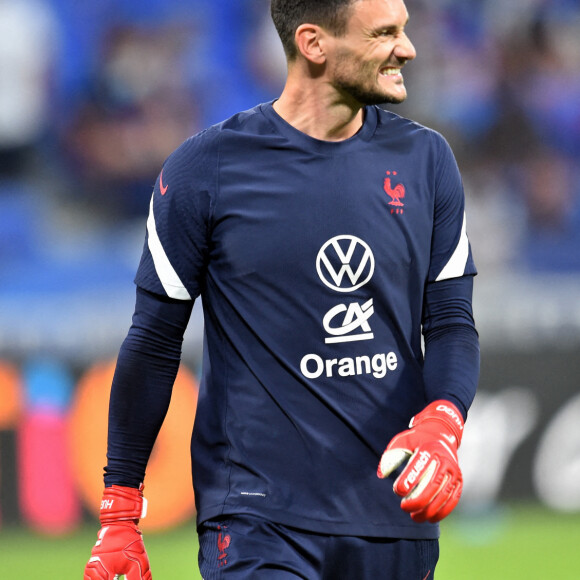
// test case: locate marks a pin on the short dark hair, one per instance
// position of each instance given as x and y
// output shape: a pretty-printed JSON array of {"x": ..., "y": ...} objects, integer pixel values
[{"x": 288, "y": 15}]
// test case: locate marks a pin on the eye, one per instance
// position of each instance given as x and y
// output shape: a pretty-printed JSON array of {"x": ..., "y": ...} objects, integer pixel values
[{"x": 390, "y": 31}]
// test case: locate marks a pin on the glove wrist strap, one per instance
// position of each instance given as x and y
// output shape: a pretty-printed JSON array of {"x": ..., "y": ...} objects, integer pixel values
[
  {"x": 122, "y": 504},
  {"x": 445, "y": 412}
]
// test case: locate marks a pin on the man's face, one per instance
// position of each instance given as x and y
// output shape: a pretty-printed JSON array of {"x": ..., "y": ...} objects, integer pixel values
[{"x": 365, "y": 63}]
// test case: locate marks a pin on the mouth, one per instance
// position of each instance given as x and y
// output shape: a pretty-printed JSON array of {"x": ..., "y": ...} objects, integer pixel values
[{"x": 393, "y": 72}]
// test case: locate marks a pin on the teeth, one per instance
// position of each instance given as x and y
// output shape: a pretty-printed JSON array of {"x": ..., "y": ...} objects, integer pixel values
[{"x": 391, "y": 71}]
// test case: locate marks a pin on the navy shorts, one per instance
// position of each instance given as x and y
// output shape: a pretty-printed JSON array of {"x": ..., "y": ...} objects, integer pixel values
[{"x": 246, "y": 547}]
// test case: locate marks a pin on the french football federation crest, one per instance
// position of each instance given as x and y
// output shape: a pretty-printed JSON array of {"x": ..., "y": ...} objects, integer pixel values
[
  {"x": 396, "y": 193},
  {"x": 223, "y": 543}
]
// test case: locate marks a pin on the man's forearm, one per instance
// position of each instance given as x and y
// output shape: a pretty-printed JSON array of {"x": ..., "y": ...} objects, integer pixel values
[
  {"x": 451, "y": 369},
  {"x": 141, "y": 391}
]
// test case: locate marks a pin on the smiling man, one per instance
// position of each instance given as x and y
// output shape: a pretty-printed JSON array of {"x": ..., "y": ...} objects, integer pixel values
[{"x": 326, "y": 238}]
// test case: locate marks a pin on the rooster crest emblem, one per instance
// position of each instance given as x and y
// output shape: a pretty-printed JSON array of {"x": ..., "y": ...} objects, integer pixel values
[
  {"x": 396, "y": 193},
  {"x": 223, "y": 543}
]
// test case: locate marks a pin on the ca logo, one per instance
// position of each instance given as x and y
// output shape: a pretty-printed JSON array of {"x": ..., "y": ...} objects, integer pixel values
[
  {"x": 355, "y": 317},
  {"x": 345, "y": 263}
]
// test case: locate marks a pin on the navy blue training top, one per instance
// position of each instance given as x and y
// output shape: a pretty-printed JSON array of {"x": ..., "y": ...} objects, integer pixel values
[{"x": 319, "y": 265}]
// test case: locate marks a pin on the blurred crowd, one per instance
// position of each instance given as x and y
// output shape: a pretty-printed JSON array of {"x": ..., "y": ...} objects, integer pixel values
[
  {"x": 95, "y": 95},
  {"x": 501, "y": 80}
]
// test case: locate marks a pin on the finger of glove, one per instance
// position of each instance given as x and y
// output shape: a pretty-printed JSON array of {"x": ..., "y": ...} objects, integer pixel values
[
  {"x": 391, "y": 459},
  {"x": 422, "y": 474},
  {"x": 131, "y": 561},
  {"x": 440, "y": 478},
  {"x": 414, "y": 482},
  {"x": 448, "y": 506},
  {"x": 124, "y": 564},
  {"x": 428, "y": 509},
  {"x": 439, "y": 498},
  {"x": 95, "y": 570},
  {"x": 139, "y": 569}
]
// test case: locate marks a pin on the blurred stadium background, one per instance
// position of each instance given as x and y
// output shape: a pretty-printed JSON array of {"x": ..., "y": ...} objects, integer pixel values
[{"x": 94, "y": 95}]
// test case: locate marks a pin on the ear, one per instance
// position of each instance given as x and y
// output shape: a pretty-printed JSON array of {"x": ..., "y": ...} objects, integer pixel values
[{"x": 308, "y": 41}]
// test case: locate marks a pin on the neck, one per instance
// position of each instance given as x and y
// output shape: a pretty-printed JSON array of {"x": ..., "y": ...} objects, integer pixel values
[{"x": 318, "y": 111}]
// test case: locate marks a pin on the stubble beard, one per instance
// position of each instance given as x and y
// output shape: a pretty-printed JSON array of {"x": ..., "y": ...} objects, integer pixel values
[
  {"x": 368, "y": 96},
  {"x": 350, "y": 80}
]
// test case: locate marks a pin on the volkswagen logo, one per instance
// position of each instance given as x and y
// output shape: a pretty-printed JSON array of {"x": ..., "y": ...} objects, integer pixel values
[{"x": 345, "y": 263}]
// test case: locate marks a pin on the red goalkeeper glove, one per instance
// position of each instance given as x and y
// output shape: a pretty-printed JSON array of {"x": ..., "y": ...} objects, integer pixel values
[
  {"x": 119, "y": 549},
  {"x": 431, "y": 482}
]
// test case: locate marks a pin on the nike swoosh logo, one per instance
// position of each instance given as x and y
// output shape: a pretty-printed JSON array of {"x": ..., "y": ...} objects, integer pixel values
[{"x": 162, "y": 188}]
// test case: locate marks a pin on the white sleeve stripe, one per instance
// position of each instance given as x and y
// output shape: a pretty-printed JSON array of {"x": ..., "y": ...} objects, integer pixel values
[
  {"x": 168, "y": 277},
  {"x": 456, "y": 265}
]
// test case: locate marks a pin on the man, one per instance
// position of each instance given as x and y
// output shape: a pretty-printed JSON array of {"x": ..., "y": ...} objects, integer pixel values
[{"x": 324, "y": 236}]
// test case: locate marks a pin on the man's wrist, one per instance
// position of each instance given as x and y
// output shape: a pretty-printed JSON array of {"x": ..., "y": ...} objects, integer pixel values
[
  {"x": 445, "y": 412},
  {"x": 122, "y": 504}
]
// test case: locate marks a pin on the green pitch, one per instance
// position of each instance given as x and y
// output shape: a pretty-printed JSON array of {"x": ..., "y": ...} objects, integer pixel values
[
  {"x": 512, "y": 543},
  {"x": 517, "y": 543}
]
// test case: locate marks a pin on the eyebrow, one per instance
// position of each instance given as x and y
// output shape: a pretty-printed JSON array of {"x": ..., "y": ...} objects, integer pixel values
[{"x": 392, "y": 27}]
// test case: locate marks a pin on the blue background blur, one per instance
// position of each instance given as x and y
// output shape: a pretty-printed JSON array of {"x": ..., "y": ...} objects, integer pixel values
[{"x": 94, "y": 95}]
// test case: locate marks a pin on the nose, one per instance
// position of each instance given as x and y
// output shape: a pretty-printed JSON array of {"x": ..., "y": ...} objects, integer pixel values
[{"x": 405, "y": 50}]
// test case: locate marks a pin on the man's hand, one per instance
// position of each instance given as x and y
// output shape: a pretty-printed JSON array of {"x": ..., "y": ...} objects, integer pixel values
[
  {"x": 119, "y": 549},
  {"x": 431, "y": 482}
]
